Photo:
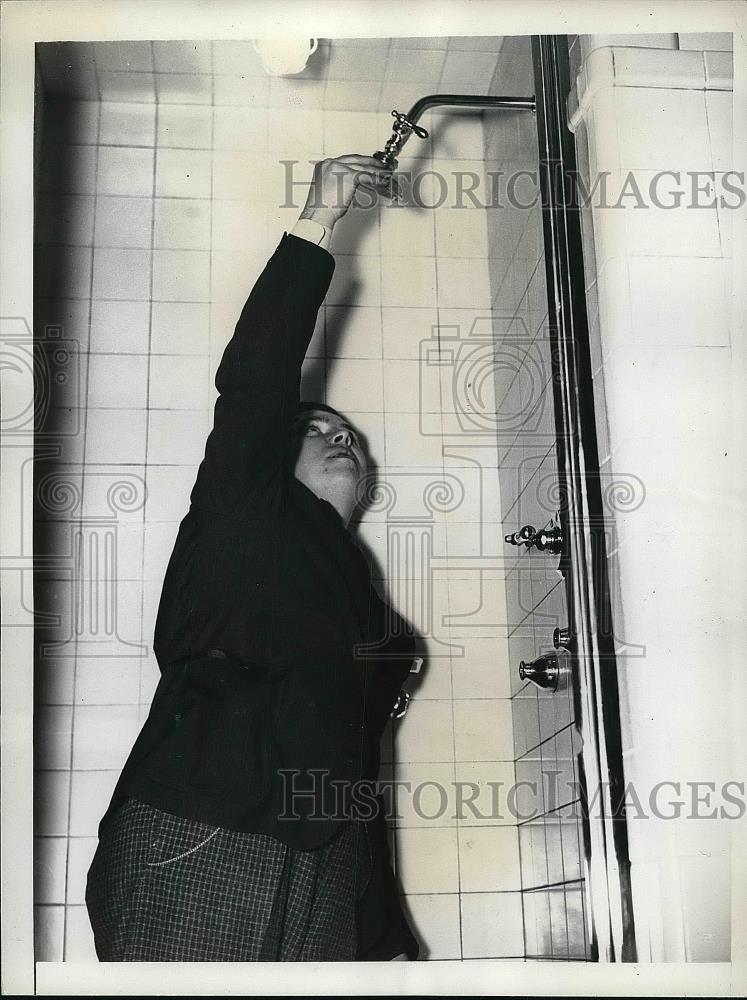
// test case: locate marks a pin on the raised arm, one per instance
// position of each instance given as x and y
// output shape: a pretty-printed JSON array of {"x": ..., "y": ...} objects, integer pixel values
[{"x": 258, "y": 379}]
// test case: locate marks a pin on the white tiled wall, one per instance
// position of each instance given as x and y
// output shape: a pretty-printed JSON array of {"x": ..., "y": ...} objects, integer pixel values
[
  {"x": 174, "y": 208},
  {"x": 659, "y": 290},
  {"x": 550, "y": 851}
]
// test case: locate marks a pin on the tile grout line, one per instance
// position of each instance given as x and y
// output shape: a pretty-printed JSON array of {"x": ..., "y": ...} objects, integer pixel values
[{"x": 497, "y": 405}]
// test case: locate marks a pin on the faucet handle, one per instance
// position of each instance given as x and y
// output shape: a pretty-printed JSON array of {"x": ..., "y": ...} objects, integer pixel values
[
  {"x": 522, "y": 536},
  {"x": 546, "y": 540},
  {"x": 400, "y": 131},
  {"x": 405, "y": 122}
]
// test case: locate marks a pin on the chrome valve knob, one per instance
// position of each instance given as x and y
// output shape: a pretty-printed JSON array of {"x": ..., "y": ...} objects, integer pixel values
[
  {"x": 404, "y": 122},
  {"x": 403, "y": 127},
  {"x": 546, "y": 539},
  {"x": 525, "y": 534},
  {"x": 544, "y": 671},
  {"x": 562, "y": 637}
]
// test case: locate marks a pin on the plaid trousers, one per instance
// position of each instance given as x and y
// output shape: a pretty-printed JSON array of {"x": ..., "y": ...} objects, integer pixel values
[{"x": 165, "y": 889}]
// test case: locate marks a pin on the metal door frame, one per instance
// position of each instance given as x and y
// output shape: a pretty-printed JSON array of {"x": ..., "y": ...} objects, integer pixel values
[{"x": 584, "y": 558}]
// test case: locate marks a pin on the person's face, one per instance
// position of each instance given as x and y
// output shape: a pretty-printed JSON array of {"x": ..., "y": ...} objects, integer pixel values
[{"x": 330, "y": 460}]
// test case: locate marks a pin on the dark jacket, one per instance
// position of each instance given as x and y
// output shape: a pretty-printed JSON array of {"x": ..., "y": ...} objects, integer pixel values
[{"x": 266, "y": 572}]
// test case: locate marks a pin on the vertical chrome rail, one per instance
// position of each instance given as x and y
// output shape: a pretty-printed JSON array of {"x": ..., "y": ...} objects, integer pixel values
[{"x": 584, "y": 560}]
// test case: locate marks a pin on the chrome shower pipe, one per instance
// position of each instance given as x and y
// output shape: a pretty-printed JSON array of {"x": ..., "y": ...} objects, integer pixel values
[{"x": 477, "y": 101}]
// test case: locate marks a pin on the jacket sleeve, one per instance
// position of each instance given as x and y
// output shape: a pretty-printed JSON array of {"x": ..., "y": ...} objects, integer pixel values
[{"x": 258, "y": 381}]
